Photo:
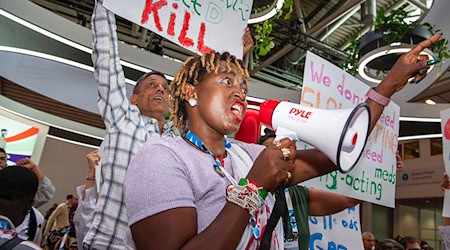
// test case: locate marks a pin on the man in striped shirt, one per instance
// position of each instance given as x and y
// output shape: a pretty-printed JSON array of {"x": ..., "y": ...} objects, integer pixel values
[{"x": 129, "y": 124}]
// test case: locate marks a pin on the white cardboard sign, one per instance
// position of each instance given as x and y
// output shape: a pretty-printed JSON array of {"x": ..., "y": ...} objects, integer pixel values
[
  {"x": 194, "y": 24},
  {"x": 338, "y": 231},
  {"x": 445, "y": 128},
  {"x": 373, "y": 179}
]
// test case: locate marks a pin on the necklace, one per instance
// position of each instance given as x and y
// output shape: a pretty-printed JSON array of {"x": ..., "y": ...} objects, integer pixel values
[{"x": 219, "y": 162}]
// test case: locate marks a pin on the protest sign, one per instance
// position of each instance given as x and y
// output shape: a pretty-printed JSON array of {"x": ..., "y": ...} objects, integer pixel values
[
  {"x": 445, "y": 128},
  {"x": 337, "y": 231},
  {"x": 195, "y": 25},
  {"x": 373, "y": 179}
]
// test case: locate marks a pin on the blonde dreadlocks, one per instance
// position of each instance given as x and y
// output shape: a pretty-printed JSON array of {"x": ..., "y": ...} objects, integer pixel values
[{"x": 192, "y": 72}]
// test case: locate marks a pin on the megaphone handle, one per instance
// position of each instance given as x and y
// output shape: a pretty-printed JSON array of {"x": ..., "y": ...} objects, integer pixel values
[{"x": 282, "y": 133}]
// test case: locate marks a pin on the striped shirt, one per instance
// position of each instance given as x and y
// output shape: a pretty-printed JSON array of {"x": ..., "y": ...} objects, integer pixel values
[{"x": 126, "y": 132}]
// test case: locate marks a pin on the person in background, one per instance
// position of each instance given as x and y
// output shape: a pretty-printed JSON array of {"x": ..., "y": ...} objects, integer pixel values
[
  {"x": 88, "y": 197},
  {"x": 46, "y": 190},
  {"x": 18, "y": 188},
  {"x": 409, "y": 242},
  {"x": 368, "y": 240},
  {"x": 129, "y": 124},
  {"x": 389, "y": 244},
  {"x": 59, "y": 222},
  {"x": 32, "y": 225},
  {"x": 424, "y": 245}
]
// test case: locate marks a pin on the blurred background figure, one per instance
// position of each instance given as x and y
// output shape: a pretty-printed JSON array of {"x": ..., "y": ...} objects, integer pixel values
[
  {"x": 18, "y": 187},
  {"x": 409, "y": 242},
  {"x": 389, "y": 244},
  {"x": 368, "y": 241}
]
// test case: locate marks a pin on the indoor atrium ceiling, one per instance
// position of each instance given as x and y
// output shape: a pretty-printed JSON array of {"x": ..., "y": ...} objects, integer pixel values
[{"x": 325, "y": 27}]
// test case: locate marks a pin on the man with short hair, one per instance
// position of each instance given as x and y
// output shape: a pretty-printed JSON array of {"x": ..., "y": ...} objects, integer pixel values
[
  {"x": 129, "y": 124},
  {"x": 368, "y": 241},
  {"x": 17, "y": 189},
  {"x": 60, "y": 217}
]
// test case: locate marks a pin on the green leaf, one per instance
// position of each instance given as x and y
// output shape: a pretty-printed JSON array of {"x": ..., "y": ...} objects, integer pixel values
[{"x": 263, "y": 52}]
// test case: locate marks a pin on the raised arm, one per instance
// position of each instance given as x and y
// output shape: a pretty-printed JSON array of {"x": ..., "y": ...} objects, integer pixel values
[
  {"x": 312, "y": 163},
  {"x": 46, "y": 190},
  {"x": 323, "y": 203},
  {"x": 112, "y": 99},
  {"x": 93, "y": 158}
]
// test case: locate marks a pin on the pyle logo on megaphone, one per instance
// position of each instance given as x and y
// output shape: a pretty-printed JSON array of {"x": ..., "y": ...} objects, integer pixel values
[
  {"x": 298, "y": 114},
  {"x": 340, "y": 134}
]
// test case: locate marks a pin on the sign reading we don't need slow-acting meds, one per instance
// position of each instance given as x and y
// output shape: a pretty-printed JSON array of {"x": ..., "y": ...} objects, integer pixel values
[
  {"x": 197, "y": 25},
  {"x": 374, "y": 177}
]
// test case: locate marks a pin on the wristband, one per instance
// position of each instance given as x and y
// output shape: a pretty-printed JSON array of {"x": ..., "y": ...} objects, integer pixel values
[
  {"x": 251, "y": 186},
  {"x": 243, "y": 197},
  {"x": 377, "y": 97},
  {"x": 90, "y": 178}
]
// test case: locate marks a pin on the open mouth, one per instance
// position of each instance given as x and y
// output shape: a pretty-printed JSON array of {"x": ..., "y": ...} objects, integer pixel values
[
  {"x": 158, "y": 98},
  {"x": 237, "y": 109}
]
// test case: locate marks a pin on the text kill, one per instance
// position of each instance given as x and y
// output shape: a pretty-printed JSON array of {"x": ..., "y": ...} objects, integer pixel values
[{"x": 209, "y": 11}]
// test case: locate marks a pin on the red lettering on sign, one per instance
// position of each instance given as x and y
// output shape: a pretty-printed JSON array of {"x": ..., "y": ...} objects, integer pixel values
[
  {"x": 188, "y": 42},
  {"x": 149, "y": 8},
  {"x": 201, "y": 43},
  {"x": 300, "y": 112}
]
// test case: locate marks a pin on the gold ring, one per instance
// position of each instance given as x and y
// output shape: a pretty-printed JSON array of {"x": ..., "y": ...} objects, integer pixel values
[
  {"x": 277, "y": 143},
  {"x": 286, "y": 153}
]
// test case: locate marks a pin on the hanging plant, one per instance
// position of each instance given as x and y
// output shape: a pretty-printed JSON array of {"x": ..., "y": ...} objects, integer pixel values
[
  {"x": 262, "y": 32},
  {"x": 394, "y": 28}
]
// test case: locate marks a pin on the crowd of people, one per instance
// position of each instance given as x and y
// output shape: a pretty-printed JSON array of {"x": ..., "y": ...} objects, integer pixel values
[{"x": 179, "y": 182}]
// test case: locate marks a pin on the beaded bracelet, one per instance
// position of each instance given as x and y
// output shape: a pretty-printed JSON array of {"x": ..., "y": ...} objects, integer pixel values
[
  {"x": 244, "y": 198},
  {"x": 251, "y": 186}
]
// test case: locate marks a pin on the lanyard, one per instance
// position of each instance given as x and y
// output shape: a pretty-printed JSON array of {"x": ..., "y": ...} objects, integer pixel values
[
  {"x": 219, "y": 166},
  {"x": 292, "y": 219}
]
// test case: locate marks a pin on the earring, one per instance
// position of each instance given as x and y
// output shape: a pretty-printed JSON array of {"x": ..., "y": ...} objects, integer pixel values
[{"x": 193, "y": 102}]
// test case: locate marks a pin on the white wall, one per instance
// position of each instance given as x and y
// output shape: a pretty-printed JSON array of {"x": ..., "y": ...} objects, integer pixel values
[{"x": 66, "y": 166}]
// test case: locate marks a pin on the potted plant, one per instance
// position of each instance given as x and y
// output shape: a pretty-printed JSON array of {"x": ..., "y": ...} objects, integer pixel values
[
  {"x": 264, "y": 43},
  {"x": 391, "y": 31}
]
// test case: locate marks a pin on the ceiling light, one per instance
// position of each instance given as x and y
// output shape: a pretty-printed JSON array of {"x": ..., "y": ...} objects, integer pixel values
[
  {"x": 384, "y": 51},
  {"x": 266, "y": 14},
  {"x": 419, "y": 119},
  {"x": 430, "y": 102},
  {"x": 51, "y": 124},
  {"x": 54, "y": 58},
  {"x": 67, "y": 41},
  {"x": 418, "y": 137},
  {"x": 377, "y": 56}
]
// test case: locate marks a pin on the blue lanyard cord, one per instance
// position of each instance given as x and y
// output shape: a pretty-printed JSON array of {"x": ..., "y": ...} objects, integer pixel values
[
  {"x": 221, "y": 171},
  {"x": 292, "y": 219},
  {"x": 4, "y": 225},
  {"x": 198, "y": 143}
]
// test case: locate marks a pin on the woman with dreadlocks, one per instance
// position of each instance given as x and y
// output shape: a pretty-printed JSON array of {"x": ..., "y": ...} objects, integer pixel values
[{"x": 199, "y": 191}]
